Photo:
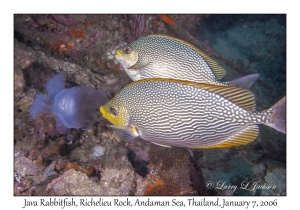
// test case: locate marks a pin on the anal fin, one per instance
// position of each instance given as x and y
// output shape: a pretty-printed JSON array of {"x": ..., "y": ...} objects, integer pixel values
[
  {"x": 125, "y": 133},
  {"x": 162, "y": 145},
  {"x": 248, "y": 135}
]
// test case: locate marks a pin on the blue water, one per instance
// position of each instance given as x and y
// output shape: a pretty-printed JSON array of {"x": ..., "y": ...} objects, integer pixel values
[{"x": 254, "y": 44}]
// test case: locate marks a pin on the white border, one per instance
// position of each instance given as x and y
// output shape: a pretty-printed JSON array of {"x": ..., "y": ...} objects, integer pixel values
[{"x": 217, "y": 6}]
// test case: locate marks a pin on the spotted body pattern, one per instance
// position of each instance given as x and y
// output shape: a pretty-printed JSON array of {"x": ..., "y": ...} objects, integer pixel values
[
  {"x": 159, "y": 56},
  {"x": 186, "y": 114}
]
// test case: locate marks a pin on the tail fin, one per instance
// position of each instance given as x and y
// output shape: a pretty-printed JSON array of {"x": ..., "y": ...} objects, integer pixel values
[
  {"x": 277, "y": 120},
  {"x": 245, "y": 82}
]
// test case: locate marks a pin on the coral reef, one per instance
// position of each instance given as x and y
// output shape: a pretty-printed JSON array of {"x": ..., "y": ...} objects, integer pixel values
[
  {"x": 169, "y": 165},
  {"x": 137, "y": 24},
  {"x": 73, "y": 183}
]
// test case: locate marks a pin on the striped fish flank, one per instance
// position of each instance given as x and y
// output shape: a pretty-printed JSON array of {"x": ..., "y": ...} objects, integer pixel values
[
  {"x": 186, "y": 114},
  {"x": 160, "y": 56}
]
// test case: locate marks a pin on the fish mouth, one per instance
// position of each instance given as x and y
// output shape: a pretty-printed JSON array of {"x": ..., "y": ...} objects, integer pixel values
[
  {"x": 124, "y": 61},
  {"x": 118, "y": 53},
  {"x": 103, "y": 111}
]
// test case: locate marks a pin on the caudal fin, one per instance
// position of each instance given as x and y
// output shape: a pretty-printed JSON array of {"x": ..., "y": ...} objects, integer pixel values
[
  {"x": 245, "y": 82},
  {"x": 277, "y": 120}
]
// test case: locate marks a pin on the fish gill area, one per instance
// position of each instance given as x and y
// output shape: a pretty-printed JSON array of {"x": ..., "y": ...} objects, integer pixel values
[{"x": 82, "y": 48}]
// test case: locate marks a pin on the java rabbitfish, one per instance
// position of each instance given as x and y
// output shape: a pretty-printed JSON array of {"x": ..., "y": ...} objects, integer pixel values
[
  {"x": 179, "y": 113},
  {"x": 160, "y": 56}
]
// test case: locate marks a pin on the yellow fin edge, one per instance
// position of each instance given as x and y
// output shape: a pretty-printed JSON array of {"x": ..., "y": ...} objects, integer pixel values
[
  {"x": 245, "y": 137},
  {"x": 216, "y": 68}
]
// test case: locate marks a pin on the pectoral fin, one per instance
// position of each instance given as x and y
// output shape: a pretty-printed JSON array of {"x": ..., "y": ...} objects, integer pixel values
[
  {"x": 139, "y": 65},
  {"x": 246, "y": 136},
  {"x": 125, "y": 133}
]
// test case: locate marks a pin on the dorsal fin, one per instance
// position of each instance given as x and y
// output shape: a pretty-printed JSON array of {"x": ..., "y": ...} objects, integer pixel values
[
  {"x": 242, "y": 97},
  {"x": 242, "y": 138},
  {"x": 215, "y": 67}
]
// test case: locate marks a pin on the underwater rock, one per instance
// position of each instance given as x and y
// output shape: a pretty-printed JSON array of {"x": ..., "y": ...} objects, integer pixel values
[
  {"x": 118, "y": 178},
  {"x": 74, "y": 183},
  {"x": 50, "y": 170},
  {"x": 212, "y": 158},
  {"x": 87, "y": 155},
  {"x": 26, "y": 167},
  {"x": 171, "y": 171},
  {"x": 143, "y": 184},
  {"x": 19, "y": 82},
  {"x": 22, "y": 59}
]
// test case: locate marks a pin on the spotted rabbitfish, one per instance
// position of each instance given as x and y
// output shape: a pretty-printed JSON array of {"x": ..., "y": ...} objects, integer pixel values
[
  {"x": 176, "y": 113},
  {"x": 160, "y": 56}
]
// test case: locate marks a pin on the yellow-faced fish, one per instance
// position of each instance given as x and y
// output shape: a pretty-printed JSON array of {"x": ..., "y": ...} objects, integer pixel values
[
  {"x": 180, "y": 113},
  {"x": 160, "y": 56}
]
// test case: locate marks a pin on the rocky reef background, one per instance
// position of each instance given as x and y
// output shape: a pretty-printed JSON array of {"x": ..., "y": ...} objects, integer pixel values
[{"x": 82, "y": 47}]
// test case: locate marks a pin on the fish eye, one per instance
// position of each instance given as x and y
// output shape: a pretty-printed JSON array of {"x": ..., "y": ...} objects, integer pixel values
[
  {"x": 127, "y": 50},
  {"x": 113, "y": 111}
]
